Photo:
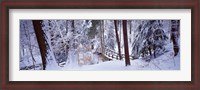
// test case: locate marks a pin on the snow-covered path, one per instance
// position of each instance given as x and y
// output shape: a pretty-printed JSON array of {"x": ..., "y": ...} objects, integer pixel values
[{"x": 163, "y": 62}]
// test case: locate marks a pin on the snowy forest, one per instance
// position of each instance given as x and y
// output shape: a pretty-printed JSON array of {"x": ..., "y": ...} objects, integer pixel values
[{"x": 99, "y": 44}]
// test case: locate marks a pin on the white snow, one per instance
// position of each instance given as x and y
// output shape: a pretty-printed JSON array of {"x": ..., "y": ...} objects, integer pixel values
[{"x": 163, "y": 62}]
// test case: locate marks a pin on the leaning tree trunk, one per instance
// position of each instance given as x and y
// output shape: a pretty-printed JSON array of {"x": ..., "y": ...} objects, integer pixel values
[
  {"x": 127, "y": 60},
  {"x": 41, "y": 40},
  {"x": 117, "y": 38}
]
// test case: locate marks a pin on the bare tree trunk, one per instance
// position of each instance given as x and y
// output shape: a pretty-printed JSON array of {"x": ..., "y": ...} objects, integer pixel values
[
  {"x": 48, "y": 39},
  {"x": 73, "y": 27},
  {"x": 120, "y": 35},
  {"x": 174, "y": 35},
  {"x": 22, "y": 51},
  {"x": 103, "y": 37},
  {"x": 32, "y": 57},
  {"x": 73, "y": 41},
  {"x": 41, "y": 40},
  {"x": 29, "y": 45},
  {"x": 30, "y": 49},
  {"x": 117, "y": 37},
  {"x": 67, "y": 43},
  {"x": 66, "y": 26},
  {"x": 74, "y": 34},
  {"x": 130, "y": 27},
  {"x": 127, "y": 60},
  {"x": 62, "y": 37}
]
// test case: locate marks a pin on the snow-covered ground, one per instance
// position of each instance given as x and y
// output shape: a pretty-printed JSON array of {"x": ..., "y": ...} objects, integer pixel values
[{"x": 163, "y": 62}]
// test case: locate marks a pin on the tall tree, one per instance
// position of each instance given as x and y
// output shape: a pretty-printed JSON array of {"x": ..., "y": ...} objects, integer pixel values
[
  {"x": 49, "y": 38},
  {"x": 103, "y": 42},
  {"x": 73, "y": 26},
  {"x": 73, "y": 42},
  {"x": 127, "y": 60},
  {"x": 66, "y": 26},
  {"x": 41, "y": 40},
  {"x": 110, "y": 38},
  {"x": 130, "y": 25},
  {"x": 101, "y": 36},
  {"x": 93, "y": 30},
  {"x": 28, "y": 36},
  {"x": 174, "y": 35},
  {"x": 117, "y": 38},
  {"x": 150, "y": 38}
]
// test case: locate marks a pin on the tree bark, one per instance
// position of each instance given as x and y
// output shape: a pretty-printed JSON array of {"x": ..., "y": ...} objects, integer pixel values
[
  {"x": 101, "y": 36},
  {"x": 61, "y": 35},
  {"x": 29, "y": 45},
  {"x": 41, "y": 40},
  {"x": 119, "y": 31},
  {"x": 74, "y": 34},
  {"x": 127, "y": 60},
  {"x": 23, "y": 50},
  {"x": 130, "y": 27},
  {"x": 120, "y": 34},
  {"x": 67, "y": 43},
  {"x": 73, "y": 27},
  {"x": 48, "y": 39},
  {"x": 66, "y": 26},
  {"x": 174, "y": 35},
  {"x": 117, "y": 37}
]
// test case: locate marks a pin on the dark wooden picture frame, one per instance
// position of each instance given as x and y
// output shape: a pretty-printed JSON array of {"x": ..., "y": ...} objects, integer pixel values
[{"x": 99, "y": 4}]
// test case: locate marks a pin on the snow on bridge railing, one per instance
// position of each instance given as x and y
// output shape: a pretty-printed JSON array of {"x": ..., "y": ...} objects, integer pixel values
[{"x": 112, "y": 54}]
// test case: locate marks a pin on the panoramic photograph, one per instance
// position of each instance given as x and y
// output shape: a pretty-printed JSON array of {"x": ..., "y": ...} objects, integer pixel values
[{"x": 99, "y": 45}]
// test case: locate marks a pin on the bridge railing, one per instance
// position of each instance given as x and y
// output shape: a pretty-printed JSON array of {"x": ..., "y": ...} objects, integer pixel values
[{"x": 114, "y": 55}]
